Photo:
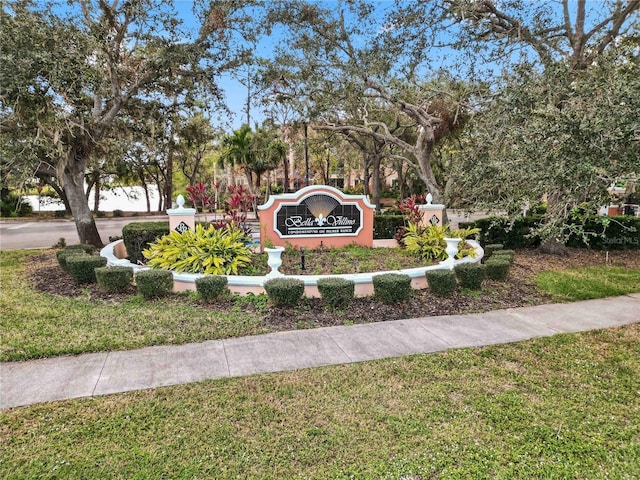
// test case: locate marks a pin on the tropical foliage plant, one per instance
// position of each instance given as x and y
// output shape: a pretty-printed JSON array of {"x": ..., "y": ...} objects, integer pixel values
[
  {"x": 210, "y": 250},
  {"x": 429, "y": 242}
]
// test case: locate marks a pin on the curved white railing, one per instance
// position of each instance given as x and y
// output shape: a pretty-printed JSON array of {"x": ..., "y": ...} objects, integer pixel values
[{"x": 246, "y": 281}]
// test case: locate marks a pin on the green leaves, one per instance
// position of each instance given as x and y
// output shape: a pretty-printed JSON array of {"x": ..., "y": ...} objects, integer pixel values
[
  {"x": 429, "y": 242},
  {"x": 221, "y": 251}
]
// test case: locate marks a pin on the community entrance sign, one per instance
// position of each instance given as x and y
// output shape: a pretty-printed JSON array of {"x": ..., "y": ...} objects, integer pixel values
[{"x": 317, "y": 214}]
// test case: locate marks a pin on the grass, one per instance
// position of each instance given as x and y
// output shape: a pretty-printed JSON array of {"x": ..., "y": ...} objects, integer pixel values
[
  {"x": 588, "y": 283},
  {"x": 557, "y": 407},
  {"x": 36, "y": 324}
]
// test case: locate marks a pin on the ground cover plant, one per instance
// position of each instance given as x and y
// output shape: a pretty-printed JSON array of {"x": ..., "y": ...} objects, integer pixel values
[
  {"x": 556, "y": 407},
  {"x": 338, "y": 261}
]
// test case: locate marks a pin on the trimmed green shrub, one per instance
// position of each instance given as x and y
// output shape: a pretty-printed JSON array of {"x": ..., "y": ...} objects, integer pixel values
[
  {"x": 138, "y": 235},
  {"x": 498, "y": 267},
  {"x": 83, "y": 247},
  {"x": 508, "y": 254},
  {"x": 386, "y": 226},
  {"x": 118, "y": 213},
  {"x": 62, "y": 255},
  {"x": 284, "y": 291},
  {"x": 492, "y": 247},
  {"x": 392, "y": 288},
  {"x": 114, "y": 279},
  {"x": 441, "y": 282},
  {"x": 470, "y": 275},
  {"x": 82, "y": 267},
  {"x": 154, "y": 283},
  {"x": 336, "y": 292},
  {"x": 211, "y": 287}
]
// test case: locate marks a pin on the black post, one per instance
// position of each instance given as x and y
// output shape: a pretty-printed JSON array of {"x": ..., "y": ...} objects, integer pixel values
[{"x": 302, "y": 258}]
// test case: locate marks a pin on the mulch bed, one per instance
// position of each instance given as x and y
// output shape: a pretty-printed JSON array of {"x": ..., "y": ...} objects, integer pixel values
[{"x": 519, "y": 290}]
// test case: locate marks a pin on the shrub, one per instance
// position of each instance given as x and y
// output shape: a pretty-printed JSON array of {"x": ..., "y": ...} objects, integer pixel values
[
  {"x": 83, "y": 247},
  {"x": 211, "y": 287},
  {"x": 501, "y": 230},
  {"x": 336, "y": 292},
  {"x": 214, "y": 251},
  {"x": 114, "y": 279},
  {"x": 138, "y": 235},
  {"x": 492, "y": 247},
  {"x": 392, "y": 288},
  {"x": 441, "y": 282},
  {"x": 609, "y": 233},
  {"x": 82, "y": 267},
  {"x": 154, "y": 283},
  {"x": 386, "y": 226},
  {"x": 429, "y": 242},
  {"x": 118, "y": 213},
  {"x": 60, "y": 214},
  {"x": 284, "y": 291},
  {"x": 498, "y": 267},
  {"x": 14, "y": 205},
  {"x": 470, "y": 275},
  {"x": 62, "y": 255},
  {"x": 508, "y": 254}
]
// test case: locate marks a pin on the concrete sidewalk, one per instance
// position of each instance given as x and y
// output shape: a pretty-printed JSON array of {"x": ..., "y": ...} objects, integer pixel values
[{"x": 24, "y": 383}]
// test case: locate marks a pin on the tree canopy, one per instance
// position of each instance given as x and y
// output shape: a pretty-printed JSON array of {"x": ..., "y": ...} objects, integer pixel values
[{"x": 70, "y": 70}]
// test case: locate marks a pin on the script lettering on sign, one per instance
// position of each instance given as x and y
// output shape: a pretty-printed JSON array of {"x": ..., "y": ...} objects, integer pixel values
[{"x": 318, "y": 215}]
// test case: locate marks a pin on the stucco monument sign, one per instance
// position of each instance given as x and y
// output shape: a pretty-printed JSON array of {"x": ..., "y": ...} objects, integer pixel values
[{"x": 316, "y": 215}]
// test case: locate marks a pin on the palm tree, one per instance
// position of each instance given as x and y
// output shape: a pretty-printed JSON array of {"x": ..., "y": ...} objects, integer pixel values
[
  {"x": 267, "y": 153},
  {"x": 238, "y": 151}
]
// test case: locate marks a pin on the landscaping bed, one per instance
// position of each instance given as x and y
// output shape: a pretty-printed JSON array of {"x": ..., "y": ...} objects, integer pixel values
[{"x": 519, "y": 290}]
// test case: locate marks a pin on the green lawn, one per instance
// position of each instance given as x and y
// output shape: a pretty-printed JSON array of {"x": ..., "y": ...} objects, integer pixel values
[
  {"x": 36, "y": 324},
  {"x": 588, "y": 283},
  {"x": 560, "y": 407}
]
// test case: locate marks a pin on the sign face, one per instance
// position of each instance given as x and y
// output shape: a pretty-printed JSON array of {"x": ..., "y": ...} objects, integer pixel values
[{"x": 319, "y": 214}]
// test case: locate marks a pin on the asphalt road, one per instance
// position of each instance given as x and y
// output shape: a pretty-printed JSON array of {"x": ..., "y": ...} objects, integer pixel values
[{"x": 19, "y": 234}]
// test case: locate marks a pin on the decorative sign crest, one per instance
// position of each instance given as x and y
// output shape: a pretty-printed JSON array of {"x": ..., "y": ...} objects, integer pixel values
[{"x": 434, "y": 220}]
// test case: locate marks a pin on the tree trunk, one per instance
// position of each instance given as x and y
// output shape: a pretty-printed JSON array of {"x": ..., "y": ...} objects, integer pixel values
[
  {"x": 47, "y": 180},
  {"x": 145, "y": 187},
  {"x": 401, "y": 193},
  {"x": 365, "y": 173},
  {"x": 73, "y": 184},
  {"x": 96, "y": 197},
  {"x": 285, "y": 162},
  {"x": 375, "y": 177},
  {"x": 555, "y": 210}
]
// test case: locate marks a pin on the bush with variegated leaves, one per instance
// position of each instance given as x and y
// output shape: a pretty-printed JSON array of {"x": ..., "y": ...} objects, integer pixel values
[{"x": 210, "y": 250}]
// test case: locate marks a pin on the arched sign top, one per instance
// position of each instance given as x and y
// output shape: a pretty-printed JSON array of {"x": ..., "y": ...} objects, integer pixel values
[{"x": 303, "y": 192}]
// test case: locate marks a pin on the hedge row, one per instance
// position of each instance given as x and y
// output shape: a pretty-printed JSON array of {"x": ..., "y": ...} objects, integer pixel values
[
  {"x": 603, "y": 233},
  {"x": 138, "y": 235},
  {"x": 386, "y": 226}
]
